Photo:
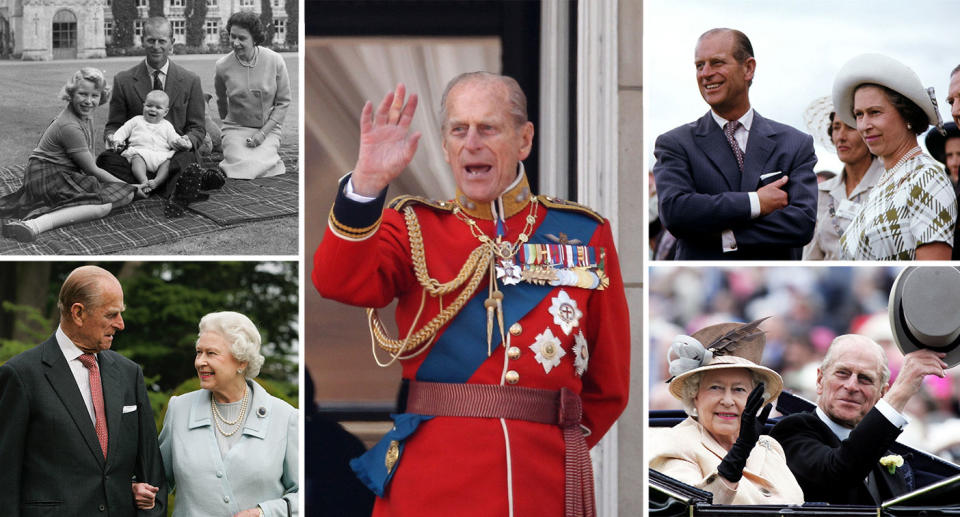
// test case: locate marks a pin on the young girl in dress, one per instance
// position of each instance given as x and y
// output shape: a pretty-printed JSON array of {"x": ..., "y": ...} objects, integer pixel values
[{"x": 62, "y": 183}]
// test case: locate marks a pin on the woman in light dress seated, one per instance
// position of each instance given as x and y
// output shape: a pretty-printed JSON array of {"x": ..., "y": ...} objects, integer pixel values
[
  {"x": 253, "y": 94},
  {"x": 720, "y": 448}
]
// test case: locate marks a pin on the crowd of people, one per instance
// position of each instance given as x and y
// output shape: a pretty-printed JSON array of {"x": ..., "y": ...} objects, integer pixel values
[
  {"x": 737, "y": 186},
  {"x": 826, "y": 335},
  {"x": 155, "y": 130}
]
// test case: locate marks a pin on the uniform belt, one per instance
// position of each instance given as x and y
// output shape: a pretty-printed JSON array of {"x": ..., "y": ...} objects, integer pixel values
[{"x": 555, "y": 407}]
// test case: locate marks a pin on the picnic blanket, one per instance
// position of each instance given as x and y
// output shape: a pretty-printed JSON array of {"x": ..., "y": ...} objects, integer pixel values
[{"x": 142, "y": 223}]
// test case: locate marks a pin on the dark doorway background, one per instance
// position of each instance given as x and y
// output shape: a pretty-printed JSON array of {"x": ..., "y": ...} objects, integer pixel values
[{"x": 516, "y": 23}]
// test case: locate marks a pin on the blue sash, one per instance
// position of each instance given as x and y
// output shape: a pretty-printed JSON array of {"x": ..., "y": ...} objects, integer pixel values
[{"x": 462, "y": 348}]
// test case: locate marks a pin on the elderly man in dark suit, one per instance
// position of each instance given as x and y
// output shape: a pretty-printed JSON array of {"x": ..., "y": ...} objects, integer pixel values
[
  {"x": 734, "y": 185},
  {"x": 156, "y": 72},
  {"x": 835, "y": 451},
  {"x": 77, "y": 425}
]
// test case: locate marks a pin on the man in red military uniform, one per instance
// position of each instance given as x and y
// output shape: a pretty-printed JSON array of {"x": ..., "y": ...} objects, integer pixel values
[{"x": 514, "y": 333}]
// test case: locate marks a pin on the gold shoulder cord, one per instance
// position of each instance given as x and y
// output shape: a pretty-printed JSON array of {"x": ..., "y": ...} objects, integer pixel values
[{"x": 477, "y": 264}]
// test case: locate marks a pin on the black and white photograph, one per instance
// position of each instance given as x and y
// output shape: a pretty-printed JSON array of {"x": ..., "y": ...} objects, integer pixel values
[{"x": 160, "y": 127}]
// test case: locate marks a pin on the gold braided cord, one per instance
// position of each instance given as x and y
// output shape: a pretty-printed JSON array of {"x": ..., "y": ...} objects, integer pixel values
[
  {"x": 472, "y": 273},
  {"x": 432, "y": 285},
  {"x": 480, "y": 260},
  {"x": 372, "y": 316},
  {"x": 415, "y": 339}
]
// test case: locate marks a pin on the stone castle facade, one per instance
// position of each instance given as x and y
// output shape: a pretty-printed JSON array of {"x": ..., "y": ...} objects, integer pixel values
[{"x": 68, "y": 29}]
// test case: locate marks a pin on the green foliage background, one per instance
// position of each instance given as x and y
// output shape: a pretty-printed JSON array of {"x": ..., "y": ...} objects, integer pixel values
[
  {"x": 266, "y": 19},
  {"x": 195, "y": 13},
  {"x": 124, "y": 12},
  {"x": 293, "y": 19}
]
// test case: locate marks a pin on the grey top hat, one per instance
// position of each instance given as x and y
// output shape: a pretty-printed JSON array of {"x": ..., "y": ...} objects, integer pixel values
[{"x": 925, "y": 310}]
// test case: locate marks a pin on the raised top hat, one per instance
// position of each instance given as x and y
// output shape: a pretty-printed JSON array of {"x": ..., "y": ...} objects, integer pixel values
[
  {"x": 721, "y": 346},
  {"x": 937, "y": 143},
  {"x": 885, "y": 71},
  {"x": 925, "y": 311}
]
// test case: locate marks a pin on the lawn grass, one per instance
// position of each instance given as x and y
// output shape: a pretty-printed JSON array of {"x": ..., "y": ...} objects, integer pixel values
[
  {"x": 29, "y": 102},
  {"x": 29, "y": 97}
]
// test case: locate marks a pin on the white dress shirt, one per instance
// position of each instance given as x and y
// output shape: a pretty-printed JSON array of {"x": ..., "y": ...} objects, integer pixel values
[
  {"x": 163, "y": 74},
  {"x": 741, "y": 135},
  {"x": 884, "y": 407},
  {"x": 80, "y": 373}
]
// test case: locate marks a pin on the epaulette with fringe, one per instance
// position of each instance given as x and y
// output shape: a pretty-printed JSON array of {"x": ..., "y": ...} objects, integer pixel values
[
  {"x": 400, "y": 202},
  {"x": 570, "y": 206}
]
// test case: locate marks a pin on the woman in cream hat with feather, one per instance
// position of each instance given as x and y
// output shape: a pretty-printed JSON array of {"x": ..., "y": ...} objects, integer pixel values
[
  {"x": 719, "y": 448},
  {"x": 912, "y": 211}
]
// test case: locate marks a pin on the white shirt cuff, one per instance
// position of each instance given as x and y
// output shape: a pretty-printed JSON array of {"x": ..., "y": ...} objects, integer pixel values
[
  {"x": 729, "y": 241},
  {"x": 891, "y": 414},
  {"x": 754, "y": 204},
  {"x": 348, "y": 191}
]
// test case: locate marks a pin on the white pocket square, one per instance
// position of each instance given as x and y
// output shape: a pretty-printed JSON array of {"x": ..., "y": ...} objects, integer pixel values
[
  {"x": 769, "y": 174},
  {"x": 129, "y": 409}
]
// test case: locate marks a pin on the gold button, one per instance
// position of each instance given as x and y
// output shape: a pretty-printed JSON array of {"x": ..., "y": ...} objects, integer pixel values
[
  {"x": 516, "y": 329},
  {"x": 548, "y": 351},
  {"x": 513, "y": 352},
  {"x": 512, "y": 377}
]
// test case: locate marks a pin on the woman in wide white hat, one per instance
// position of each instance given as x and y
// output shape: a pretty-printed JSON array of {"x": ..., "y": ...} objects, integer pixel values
[
  {"x": 720, "y": 448},
  {"x": 912, "y": 211}
]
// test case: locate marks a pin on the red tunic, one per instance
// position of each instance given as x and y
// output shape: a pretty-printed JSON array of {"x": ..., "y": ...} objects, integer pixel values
[{"x": 448, "y": 461}]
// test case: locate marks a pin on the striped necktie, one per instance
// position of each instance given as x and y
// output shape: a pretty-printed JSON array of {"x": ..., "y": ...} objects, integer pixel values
[{"x": 96, "y": 392}]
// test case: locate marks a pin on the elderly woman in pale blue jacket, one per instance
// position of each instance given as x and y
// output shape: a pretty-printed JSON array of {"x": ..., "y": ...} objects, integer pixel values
[{"x": 230, "y": 448}]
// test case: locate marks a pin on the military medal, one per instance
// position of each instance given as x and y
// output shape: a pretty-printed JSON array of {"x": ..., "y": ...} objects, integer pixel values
[
  {"x": 508, "y": 272},
  {"x": 581, "y": 354},
  {"x": 547, "y": 350},
  {"x": 565, "y": 312},
  {"x": 562, "y": 265}
]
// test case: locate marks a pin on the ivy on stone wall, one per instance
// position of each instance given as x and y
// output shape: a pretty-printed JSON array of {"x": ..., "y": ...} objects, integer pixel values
[
  {"x": 196, "y": 14},
  {"x": 124, "y": 12},
  {"x": 266, "y": 19},
  {"x": 156, "y": 8},
  {"x": 293, "y": 21}
]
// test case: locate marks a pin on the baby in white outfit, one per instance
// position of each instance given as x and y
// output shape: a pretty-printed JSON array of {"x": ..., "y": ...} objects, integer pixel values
[{"x": 150, "y": 139}]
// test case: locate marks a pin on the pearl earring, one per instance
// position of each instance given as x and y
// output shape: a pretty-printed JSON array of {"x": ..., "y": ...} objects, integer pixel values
[
  {"x": 694, "y": 413},
  {"x": 909, "y": 127},
  {"x": 239, "y": 371}
]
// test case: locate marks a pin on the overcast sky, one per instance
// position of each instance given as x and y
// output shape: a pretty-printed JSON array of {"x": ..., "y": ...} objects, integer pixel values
[{"x": 799, "y": 46}]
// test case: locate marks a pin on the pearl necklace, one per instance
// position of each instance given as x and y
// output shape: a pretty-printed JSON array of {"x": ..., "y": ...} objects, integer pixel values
[
  {"x": 251, "y": 63},
  {"x": 217, "y": 417}
]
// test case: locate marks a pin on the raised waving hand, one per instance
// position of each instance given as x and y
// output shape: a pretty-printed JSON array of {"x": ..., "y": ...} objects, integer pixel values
[{"x": 386, "y": 144}]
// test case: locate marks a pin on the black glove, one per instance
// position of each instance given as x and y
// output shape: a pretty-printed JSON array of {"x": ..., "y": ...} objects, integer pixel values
[{"x": 751, "y": 426}]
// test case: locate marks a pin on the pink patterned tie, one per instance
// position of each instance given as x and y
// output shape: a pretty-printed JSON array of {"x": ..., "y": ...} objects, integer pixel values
[
  {"x": 96, "y": 391},
  {"x": 728, "y": 130}
]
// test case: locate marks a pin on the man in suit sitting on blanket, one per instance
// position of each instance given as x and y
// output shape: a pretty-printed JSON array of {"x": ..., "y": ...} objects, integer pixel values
[{"x": 130, "y": 89}]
